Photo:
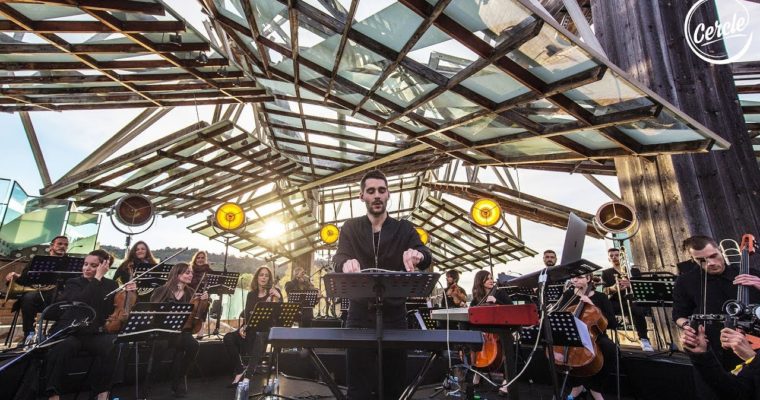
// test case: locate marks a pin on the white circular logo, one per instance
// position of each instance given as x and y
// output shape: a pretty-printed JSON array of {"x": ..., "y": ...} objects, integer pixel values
[{"x": 734, "y": 30}]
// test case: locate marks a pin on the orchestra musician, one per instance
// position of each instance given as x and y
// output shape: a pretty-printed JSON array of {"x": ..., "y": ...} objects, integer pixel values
[
  {"x": 377, "y": 241},
  {"x": 704, "y": 291},
  {"x": 609, "y": 276},
  {"x": 582, "y": 290},
  {"x": 550, "y": 258},
  {"x": 484, "y": 293},
  {"x": 138, "y": 254},
  {"x": 34, "y": 302},
  {"x": 455, "y": 295},
  {"x": 201, "y": 266},
  {"x": 244, "y": 341},
  {"x": 300, "y": 282},
  {"x": 740, "y": 384},
  {"x": 177, "y": 290},
  {"x": 90, "y": 288}
]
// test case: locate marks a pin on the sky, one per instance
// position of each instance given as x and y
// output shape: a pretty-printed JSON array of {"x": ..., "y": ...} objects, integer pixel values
[{"x": 66, "y": 138}]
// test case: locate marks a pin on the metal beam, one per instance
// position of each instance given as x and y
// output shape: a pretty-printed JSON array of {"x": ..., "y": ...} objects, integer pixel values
[{"x": 31, "y": 136}]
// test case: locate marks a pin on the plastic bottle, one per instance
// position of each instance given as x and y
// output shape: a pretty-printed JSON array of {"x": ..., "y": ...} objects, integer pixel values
[{"x": 242, "y": 390}]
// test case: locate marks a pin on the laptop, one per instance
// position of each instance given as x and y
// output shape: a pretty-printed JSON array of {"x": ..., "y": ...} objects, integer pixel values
[{"x": 574, "y": 238}]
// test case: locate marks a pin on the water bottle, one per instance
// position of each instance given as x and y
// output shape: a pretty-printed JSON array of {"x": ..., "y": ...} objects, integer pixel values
[{"x": 242, "y": 390}]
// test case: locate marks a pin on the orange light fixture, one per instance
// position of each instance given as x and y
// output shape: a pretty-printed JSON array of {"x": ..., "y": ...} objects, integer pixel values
[
  {"x": 329, "y": 233},
  {"x": 485, "y": 212},
  {"x": 229, "y": 216}
]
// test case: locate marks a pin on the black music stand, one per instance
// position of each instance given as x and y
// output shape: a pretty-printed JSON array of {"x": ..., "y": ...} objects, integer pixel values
[
  {"x": 52, "y": 270},
  {"x": 265, "y": 315},
  {"x": 220, "y": 283},
  {"x": 518, "y": 291},
  {"x": 149, "y": 322},
  {"x": 656, "y": 290},
  {"x": 564, "y": 330},
  {"x": 419, "y": 318},
  {"x": 152, "y": 279},
  {"x": 380, "y": 285},
  {"x": 553, "y": 293}
]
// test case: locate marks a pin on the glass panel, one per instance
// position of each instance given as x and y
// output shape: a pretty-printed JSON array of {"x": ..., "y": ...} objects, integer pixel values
[
  {"x": 608, "y": 95},
  {"x": 545, "y": 113},
  {"x": 488, "y": 18},
  {"x": 404, "y": 87},
  {"x": 528, "y": 147},
  {"x": 667, "y": 128},
  {"x": 551, "y": 56},
  {"x": 82, "y": 231},
  {"x": 447, "y": 107},
  {"x": 488, "y": 127},
  {"x": 324, "y": 53},
  {"x": 272, "y": 18},
  {"x": 593, "y": 140},
  {"x": 440, "y": 52},
  {"x": 360, "y": 65},
  {"x": 494, "y": 84},
  {"x": 377, "y": 108},
  {"x": 393, "y": 26}
]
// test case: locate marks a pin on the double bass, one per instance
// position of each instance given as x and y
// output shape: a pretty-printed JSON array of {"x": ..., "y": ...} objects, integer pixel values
[{"x": 579, "y": 361}]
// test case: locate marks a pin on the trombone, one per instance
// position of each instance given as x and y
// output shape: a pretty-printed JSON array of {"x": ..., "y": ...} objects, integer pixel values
[{"x": 624, "y": 295}]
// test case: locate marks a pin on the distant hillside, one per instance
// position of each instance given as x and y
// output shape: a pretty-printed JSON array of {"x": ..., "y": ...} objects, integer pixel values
[{"x": 234, "y": 264}]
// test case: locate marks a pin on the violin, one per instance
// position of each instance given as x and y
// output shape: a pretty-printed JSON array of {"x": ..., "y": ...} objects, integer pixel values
[
  {"x": 194, "y": 322},
  {"x": 579, "y": 361},
  {"x": 123, "y": 303}
]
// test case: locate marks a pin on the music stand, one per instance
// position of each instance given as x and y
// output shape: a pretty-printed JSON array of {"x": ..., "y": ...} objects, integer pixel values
[
  {"x": 559, "y": 273},
  {"x": 554, "y": 292},
  {"x": 52, "y": 270},
  {"x": 564, "y": 330},
  {"x": 517, "y": 291},
  {"x": 265, "y": 315},
  {"x": 380, "y": 285},
  {"x": 656, "y": 290},
  {"x": 220, "y": 283},
  {"x": 148, "y": 322},
  {"x": 420, "y": 319},
  {"x": 152, "y": 279},
  {"x": 306, "y": 298}
]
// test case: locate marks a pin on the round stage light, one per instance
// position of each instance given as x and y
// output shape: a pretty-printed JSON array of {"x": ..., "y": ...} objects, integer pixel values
[
  {"x": 229, "y": 216},
  {"x": 329, "y": 233},
  {"x": 485, "y": 212},
  {"x": 423, "y": 235}
]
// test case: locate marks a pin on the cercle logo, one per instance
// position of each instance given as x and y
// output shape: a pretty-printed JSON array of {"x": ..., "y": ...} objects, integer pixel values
[{"x": 734, "y": 30}]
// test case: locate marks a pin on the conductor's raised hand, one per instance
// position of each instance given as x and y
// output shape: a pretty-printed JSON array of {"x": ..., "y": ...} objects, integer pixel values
[
  {"x": 412, "y": 257},
  {"x": 351, "y": 265}
]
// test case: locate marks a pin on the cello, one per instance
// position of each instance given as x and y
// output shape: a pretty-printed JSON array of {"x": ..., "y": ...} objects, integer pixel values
[
  {"x": 490, "y": 356},
  {"x": 580, "y": 361}
]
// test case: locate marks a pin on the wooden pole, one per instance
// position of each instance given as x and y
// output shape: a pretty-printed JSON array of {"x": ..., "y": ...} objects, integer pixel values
[{"x": 715, "y": 194}]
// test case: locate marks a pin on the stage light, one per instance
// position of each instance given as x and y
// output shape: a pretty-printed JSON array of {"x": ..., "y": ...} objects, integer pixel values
[
  {"x": 423, "y": 235},
  {"x": 229, "y": 216},
  {"x": 329, "y": 233},
  {"x": 485, "y": 212}
]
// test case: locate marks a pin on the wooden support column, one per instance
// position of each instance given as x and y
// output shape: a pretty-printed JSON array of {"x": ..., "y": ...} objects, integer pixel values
[{"x": 715, "y": 194}]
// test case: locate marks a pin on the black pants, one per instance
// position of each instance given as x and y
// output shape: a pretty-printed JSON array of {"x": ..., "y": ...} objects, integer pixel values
[
  {"x": 639, "y": 317},
  {"x": 361, "y": 369},
  {"x": 99, "y": 345},
  {"x": 253, "y": 346},
  {"x": 31, "y": 304},
  {"x": 185, "y": 350}
]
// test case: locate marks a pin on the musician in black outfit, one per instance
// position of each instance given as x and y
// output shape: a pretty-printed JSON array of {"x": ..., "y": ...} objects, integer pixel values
[
  {"x": 610, "y": 277},
  {"x": 31, "y": 303},
  {"x": 377, "y": 241},
  {"x": 177, "y": 290},
  {"x": 485, "y": 293},
  {"x": 244, "y": 341},
  {"x": 90, "y": 288},
  {"x": 581, "y": 291},
  {"x": 711, "y": 285},
  {"x": 455, "y": 295}
]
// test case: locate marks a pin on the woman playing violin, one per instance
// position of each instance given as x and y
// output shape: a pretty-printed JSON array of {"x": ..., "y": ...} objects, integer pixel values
[
  {"x": 245, "y": 341},
  {"x": 177, "y": 290},
  {"x": 582, "y": 290},
  {"x": 455, "y": 295},
  {"x": 138, "y": 254}
]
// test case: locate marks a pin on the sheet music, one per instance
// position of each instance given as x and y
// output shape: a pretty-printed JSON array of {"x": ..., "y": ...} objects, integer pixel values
[{"x": 585, "y": 335}]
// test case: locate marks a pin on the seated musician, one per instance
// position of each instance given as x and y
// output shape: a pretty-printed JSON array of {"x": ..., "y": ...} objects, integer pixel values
[
  {"x": 300, "y": 282},
  {"x": 455, "y": 295},
  {"x": 34, "y": 302},
  {"x": 720, "y": 283},
  {"x": 610, "y": 277},
  {"x": 743, "y": 383},
  {"x": 177, "y": 290},
  {"x": 244, "y": 341},
  {"x": 484, "y": 293},
  {"x": 582, "y": 290},
  {"x": 138, "y": 254},
  {"x": 90, "y": 288}
]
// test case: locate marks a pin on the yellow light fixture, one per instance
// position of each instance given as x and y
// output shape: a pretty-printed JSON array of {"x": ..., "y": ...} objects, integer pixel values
[
  {"x": 423, "y": 234},
  {"x": 329, "y": 233},
  {"x": 485, "y": 212},
  {"x": 229, "y": 216}
]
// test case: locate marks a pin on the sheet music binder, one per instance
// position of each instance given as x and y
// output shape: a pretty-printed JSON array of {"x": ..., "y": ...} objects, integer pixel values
[
  {"x": 48, "y": 270},
  {"x": 265, "y": 315}
]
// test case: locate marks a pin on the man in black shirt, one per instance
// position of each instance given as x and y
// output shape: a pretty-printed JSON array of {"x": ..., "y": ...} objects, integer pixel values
[
  {"x": 34, "y": 302},
  {"x": 377, "y": 241},
  {"x": 550, "y": 258},
  {"x": 705, "y": 290},
  {"x": 612, "y": 275}
]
